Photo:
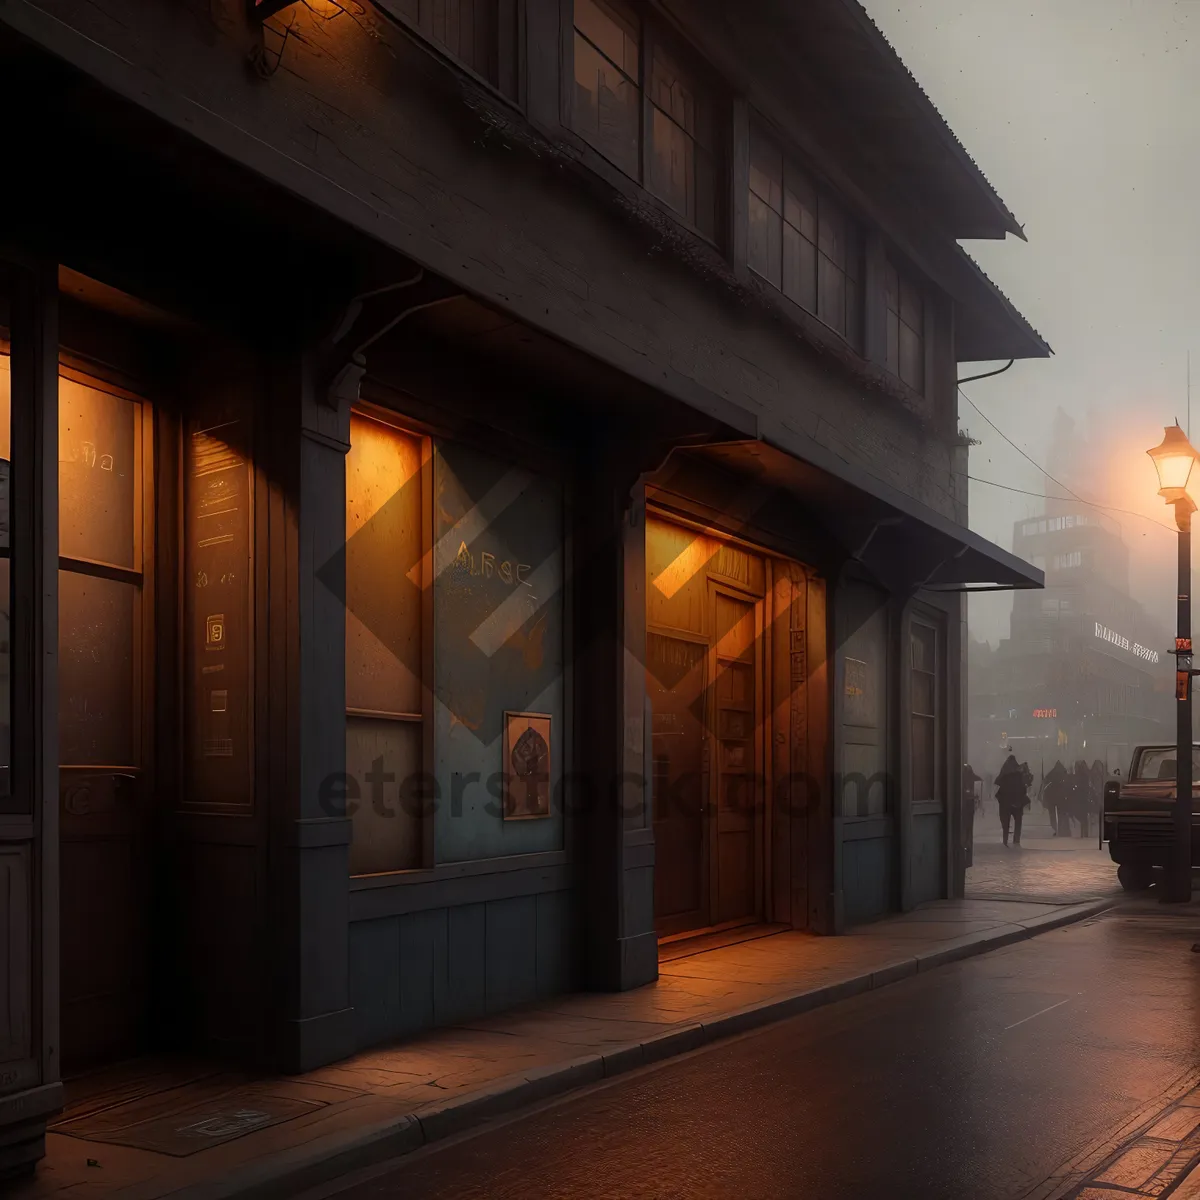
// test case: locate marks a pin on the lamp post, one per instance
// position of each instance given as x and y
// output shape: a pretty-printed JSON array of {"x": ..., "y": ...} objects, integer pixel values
[{"x": 1175, "y": 459}]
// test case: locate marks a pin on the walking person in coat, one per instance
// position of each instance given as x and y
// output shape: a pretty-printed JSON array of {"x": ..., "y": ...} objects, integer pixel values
[
  {"x": 1054, "y": 795},
  {"x": 1081, "y": 795},
  {"x": 1012, "y": 796}
]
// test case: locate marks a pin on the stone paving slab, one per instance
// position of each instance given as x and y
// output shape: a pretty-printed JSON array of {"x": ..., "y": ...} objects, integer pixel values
[
  {"x": 1070, "y": 871},
  {"x": 388, "y": 1101}
]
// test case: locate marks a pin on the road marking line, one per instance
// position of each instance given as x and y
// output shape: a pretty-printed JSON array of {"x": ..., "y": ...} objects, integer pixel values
[{"x": 1037, "y": 1014}]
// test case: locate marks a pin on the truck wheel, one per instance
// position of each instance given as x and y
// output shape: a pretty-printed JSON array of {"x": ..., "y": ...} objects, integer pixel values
[{"x": 1135, "y": 877}]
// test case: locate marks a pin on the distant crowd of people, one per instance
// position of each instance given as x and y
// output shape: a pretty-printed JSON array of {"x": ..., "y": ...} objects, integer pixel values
[{"x": 1074, "y": 795}]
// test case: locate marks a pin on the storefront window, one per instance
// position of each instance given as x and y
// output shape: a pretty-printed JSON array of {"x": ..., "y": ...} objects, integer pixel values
[
  {"x": 100, "y": 576},
  {"x": 497, "y": 593},
  {"x": 864, "y": 704},
  {"x": 923, "y": 668},
  {"x": 385, "y": 721}
]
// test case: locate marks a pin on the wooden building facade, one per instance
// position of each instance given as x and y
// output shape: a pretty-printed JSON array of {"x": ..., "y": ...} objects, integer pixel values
[{"x": 483, "y": 495}]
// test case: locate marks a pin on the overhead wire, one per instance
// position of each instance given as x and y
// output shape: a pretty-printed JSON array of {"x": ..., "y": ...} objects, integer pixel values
[{"x": 1071, "y": 494}]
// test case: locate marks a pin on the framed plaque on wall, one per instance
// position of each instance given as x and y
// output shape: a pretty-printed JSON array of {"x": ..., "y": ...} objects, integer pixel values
[{"x": 526, "y": 766}]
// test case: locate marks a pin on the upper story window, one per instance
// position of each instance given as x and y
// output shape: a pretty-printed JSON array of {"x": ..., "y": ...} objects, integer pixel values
[
  {"x": 905, "y": 329},
  {"x": 801, "y": 242},
  {"x": 476, "y": 32},
  {"x": 643, "y": 108}
]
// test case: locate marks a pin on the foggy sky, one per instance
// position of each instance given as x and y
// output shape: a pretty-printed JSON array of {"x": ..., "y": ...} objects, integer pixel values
[{"x": 1083, "y": 114}]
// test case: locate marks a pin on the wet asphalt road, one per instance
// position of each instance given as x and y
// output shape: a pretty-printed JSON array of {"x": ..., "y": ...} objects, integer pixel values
[{"x": 975, "y": 1081}]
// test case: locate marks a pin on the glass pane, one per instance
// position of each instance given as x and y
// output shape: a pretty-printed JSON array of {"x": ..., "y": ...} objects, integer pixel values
[
  {"x": 911, "y": 308},
  {"x": 705, "y": 216},
  {"x": 672, "y": 165},
  {"x": 922, "y": 693},
  {"x": 831, "y": 294},
  {"x": 383, "y": 564},
  {"x": 766, "y": 233},
  {"x": 853, "y": 312},
  {"x": 606, "y": 107},
  {"x": 893, "y": 343},
  {"x": 912, "y": 358},
  {"x": 832, "y": 232},
  {"x": 468, "y": 29},
  {"x": 613, "y": 32},
  {"x": 891, "y": 287},
  {"x": 673, "y": 94},
  {"x": 98, "y": 473},
  {"x": 799, "y": 269},
  {"x": 923, "y": 646},
  {"x": 384, "y": 795},
  {"x": 96, "y": 665},
  {"x": 800, "y": 203},
  {"x": 766, "y": 171}
]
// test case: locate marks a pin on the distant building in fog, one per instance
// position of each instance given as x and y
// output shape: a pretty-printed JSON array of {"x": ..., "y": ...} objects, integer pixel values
[{"x": 1085, "y": 672}]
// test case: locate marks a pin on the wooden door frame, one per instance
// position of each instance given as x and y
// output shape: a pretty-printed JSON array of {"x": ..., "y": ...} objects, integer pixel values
[
  {"x": 680, "y": 924},
  {"x": 721, "y": 587}
]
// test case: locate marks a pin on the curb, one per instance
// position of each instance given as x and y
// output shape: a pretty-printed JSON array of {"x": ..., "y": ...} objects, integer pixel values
[{"x": 289, "y": 1172}]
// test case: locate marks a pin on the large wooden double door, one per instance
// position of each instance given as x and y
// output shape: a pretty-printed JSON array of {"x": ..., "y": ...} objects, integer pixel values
[{"x": 705, "y": 687}]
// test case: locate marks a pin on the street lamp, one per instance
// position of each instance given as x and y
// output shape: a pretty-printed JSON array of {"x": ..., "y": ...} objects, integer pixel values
[{"x": 1175, "y": 460}]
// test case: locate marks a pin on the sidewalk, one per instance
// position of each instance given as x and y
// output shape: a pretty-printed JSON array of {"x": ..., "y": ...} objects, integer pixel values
[
  {"x": 1050, "y": 871},
  {"x": 155, "y": 1129}
]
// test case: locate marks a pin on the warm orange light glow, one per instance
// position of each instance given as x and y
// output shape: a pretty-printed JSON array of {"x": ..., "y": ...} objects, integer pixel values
[
  {"x": 1174, "y": 459},
  {"x": 685, "y": 565}
]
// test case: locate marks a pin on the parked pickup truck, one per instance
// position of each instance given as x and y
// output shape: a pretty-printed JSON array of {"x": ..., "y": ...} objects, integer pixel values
[{"x": 1138, "y": 815}]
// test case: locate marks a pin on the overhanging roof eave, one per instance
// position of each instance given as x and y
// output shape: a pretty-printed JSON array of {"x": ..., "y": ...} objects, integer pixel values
[{"x": 894, "y": 535}]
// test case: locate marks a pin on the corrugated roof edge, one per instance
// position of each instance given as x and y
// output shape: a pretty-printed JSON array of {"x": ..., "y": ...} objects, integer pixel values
[
  {"x": 1010, "y": 308},
  {"x": 940, "y": 123}
]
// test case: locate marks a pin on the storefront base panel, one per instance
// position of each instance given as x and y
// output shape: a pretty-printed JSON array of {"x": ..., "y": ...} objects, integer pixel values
[
  {"x": 927, "y": 856},
  {"x": 447, "y": 965},
  {"x": 23, "y": 1128},
  {"x": 868, "y": 887}
]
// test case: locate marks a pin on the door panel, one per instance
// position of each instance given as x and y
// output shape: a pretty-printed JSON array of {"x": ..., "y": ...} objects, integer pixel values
[
  {"x": 735, "y": 727},
  {"x": 103, "y": 812},
  {"x": 675, "y": 679}
]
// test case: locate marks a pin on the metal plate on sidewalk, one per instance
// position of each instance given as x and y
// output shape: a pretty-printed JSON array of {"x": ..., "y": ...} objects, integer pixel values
[{"x": 193, "y": 1128}]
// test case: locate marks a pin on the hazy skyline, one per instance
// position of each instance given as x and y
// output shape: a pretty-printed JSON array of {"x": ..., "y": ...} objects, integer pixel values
[{"x": 1083, "y": 115}]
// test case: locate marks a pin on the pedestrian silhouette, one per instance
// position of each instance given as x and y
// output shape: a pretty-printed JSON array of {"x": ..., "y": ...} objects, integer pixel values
[
  {"x": 1012, "y": 795},
  {"x": 1054, "y": 796}
]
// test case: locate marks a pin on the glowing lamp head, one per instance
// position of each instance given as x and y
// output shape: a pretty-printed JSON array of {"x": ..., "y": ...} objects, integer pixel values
[{"x": 1174, "y": 459}]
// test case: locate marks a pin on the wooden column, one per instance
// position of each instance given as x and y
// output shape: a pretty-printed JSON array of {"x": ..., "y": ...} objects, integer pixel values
[
  {"x": 310, "y": 847},
  {"x": 30, "y": 1072},
  {"x": 615, "y": 839}
]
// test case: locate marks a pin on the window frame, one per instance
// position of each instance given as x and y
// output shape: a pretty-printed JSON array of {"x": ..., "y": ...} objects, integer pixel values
[
  {"x": 905, "y": 277},
  {"x": 855, "y": 231},
  {"x": 392, "y": 893},
  {"x": 936, "y": 803},
  {"x": 394, "y": 420},
  {"x": 654, "y": 34},
  {"x": 510, "y": 15}
]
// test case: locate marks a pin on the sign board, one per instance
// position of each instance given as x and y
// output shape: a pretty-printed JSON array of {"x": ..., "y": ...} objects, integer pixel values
[
  {"x": 1045, "y": 712},
  {"x": 1103, "y": 633},
  {"x": 1183, "y": 645}
]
